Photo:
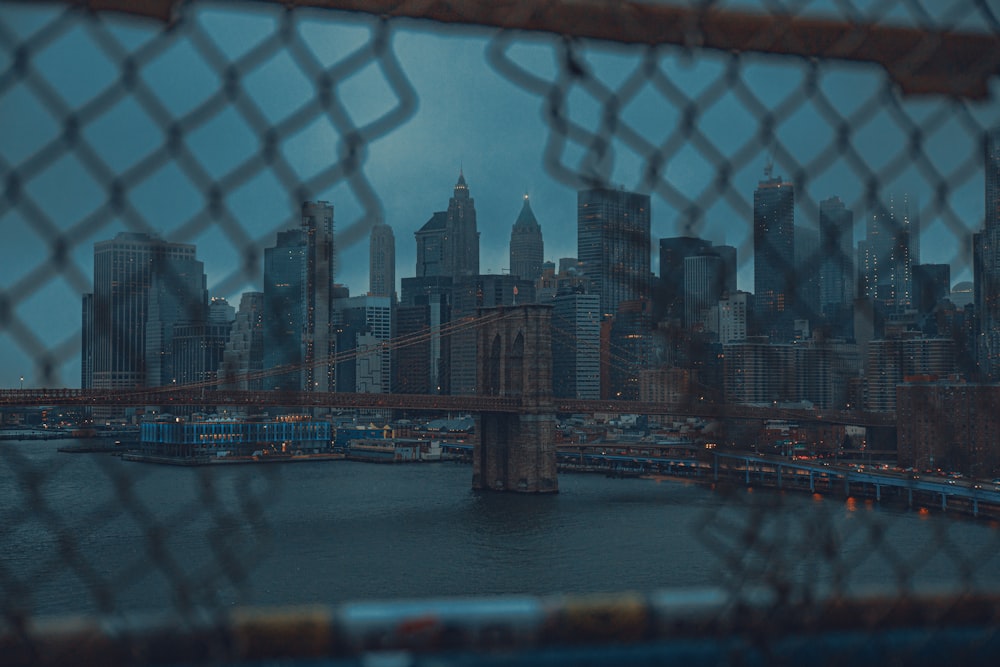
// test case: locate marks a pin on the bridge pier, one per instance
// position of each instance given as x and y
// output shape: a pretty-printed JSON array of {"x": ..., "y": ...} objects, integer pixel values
[{"x": 516, "y": 452}]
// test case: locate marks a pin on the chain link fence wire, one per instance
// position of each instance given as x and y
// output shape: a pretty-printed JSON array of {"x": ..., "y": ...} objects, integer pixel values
[{"x": 686, "y": 101}]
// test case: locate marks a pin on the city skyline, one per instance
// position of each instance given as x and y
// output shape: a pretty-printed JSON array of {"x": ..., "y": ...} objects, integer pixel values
[{"x": 408, "y": 170}]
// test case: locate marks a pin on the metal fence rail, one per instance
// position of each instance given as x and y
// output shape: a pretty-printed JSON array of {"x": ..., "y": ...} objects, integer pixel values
[{"x": 886, "y": 91}]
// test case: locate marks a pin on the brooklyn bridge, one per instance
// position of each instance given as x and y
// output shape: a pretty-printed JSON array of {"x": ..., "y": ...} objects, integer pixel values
[{"x": 514, "y": 407}]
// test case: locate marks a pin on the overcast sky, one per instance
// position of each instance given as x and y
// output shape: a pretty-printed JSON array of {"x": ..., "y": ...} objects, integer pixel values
[{"x": 466, "y": 116}]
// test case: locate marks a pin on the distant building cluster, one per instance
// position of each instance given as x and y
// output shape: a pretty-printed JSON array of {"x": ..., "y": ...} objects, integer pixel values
[{"x": 830, "y": 323}]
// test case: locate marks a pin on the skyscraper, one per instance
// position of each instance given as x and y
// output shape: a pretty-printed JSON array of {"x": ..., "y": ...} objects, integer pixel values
[
  {"x": 613, "y": 244},
  {"x": 673, "y": 252},
  {"x": 527, "y": 249},
  {"x": 243, "y": 358},
  {"x": 886, "y": 257},
  {"x": 382, "y": 261},
  {"x": 138, "y": 279},
  {"x": 298, "y": 283},
  {"x": 576, "y": 346},
  {"x": 363, "y": 324},
  {"x": 774, "y": 276},
  {"x": 462, "y": 249},
  {"x": 704, "y": 274},
  {"x": 986, "y": 265},
  {"x": 836, "y": 240},
  {"x": 320, "y": 268}
]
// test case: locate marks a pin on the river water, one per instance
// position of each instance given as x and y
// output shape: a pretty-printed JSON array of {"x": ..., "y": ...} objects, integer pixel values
[{"x": 89, "y": 532}]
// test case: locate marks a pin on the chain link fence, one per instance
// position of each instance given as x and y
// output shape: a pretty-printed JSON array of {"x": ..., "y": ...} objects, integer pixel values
[{"x": 212, "y": 123}]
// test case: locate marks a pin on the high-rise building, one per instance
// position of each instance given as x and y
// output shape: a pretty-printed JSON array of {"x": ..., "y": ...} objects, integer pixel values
[
  {"x": 891, "y": 361},
  {"x": 886, "y": 256},
  {"x": 836, "y": 240},
  {"x": 735, "y": 314},
  {"x": 670, "y": 295},
  {"x": 432, "y": 246},
  {"x": 774, "y": 276},
  {"x": 382, "y": 262},
  {"x": 808, "y": 264},
  {"x": 576, "y": 346},
  {"x": 931, "y": 283},
  {"x": 629, "y": 349},
  {"x": 138, "y": 279},
  {"x": 243, "y": 357},
  {"x": 613, "y": 244},
  {"x": 431, "y": 297},
  {"x": 527, "y": 250},
  {"x": 363, "y": 324},
  {"x": 284, "y": 265},
  {"x": 704, "y": 276},
  {"x": 298, "y": 290},
  {"x": 986, "y": 266},
  {"x": 462, "y": 249}
]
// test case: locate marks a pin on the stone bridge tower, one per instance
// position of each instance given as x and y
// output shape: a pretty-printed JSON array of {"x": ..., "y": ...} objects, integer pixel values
[{"x": 516, "y": 451}]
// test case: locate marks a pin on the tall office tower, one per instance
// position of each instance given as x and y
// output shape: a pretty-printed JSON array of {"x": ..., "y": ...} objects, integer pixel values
[
  {"x": 427, "y": 302},
  {"x": 87, "y": 343},
  {"x": 727, "y": 254},
  {"x": 284, "y": 265},
  {"x": 177, "y": 295},
  {"x": 220, "y": 311},
  {"x": 362, "y": 325},
  {"x": 382, "y": 261},
  {"x": 807, "y": 270},
  {"x": 298, "y": 284},
  {"x": 431, "y": 247},
  {"x": 774, "y": 276},
  {"x": 986, "y": 266},
  {"x": 243, "y": 358},
  {"x": 198, "y": 351},
  {"x": 735, "y": 312},
  {"x": 320, "y": 267},
  {"x": 576, "y": 346},
  {"x": 613, "y": 244},
  {"x": 462, "y": 249},
  {"x": 886, "y": 256},
  {"x": 890, "y": 361},
  {"x": 527, "y": 249},
  {"x": 836, "y": 243},
  {"x": 669, "y": 299},
  {"x": 931, "y": 283},
  {"x": 629, "y": 349},
  {"x": 130, "y": 271},
  {"x": 704, "y": 277}
]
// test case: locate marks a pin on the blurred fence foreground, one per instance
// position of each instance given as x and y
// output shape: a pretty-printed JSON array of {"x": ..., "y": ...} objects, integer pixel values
[{"x": 948, "y": 56}]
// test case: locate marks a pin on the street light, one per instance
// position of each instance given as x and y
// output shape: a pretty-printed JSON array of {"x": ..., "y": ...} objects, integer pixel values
[{"x": 22, "y": 382}]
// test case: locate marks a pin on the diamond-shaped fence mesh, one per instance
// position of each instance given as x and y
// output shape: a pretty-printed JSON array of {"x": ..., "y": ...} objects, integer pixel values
[{"x": 210, "y": 124}]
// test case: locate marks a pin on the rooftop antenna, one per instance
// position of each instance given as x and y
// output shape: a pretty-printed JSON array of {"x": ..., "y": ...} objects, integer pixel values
[{"x": 769, "y": 166}]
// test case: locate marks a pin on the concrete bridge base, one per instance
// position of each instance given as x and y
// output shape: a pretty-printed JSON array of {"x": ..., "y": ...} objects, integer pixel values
[{"x": 516, "y": 452}]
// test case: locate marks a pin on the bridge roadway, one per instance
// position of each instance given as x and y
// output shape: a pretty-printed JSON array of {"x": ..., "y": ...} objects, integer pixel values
[
  {"x": 780, "y": 471},
  {"x": 167, "y": 396}
]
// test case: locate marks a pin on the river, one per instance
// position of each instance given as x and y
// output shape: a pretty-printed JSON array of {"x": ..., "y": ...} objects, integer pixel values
[{"x": 89, "y": 532}]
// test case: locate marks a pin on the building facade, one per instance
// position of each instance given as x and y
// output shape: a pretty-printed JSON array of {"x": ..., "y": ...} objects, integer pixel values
[
  {"x": 890, "y": 362},
  {"x": 527, "y": 249},
  {"x": 986, "y": 266},
  {"x": 774, "y": 275},
  {"x": 576, "y": 346},
  {"x": 949, "y": 425},
  {"x": 136, "y": 275},
  {"x": 836, "y": 240},
  {"x": 613, "y": 244},
  {"x": 382, "y": 261},
  {"x": 243, "y": 358}
]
